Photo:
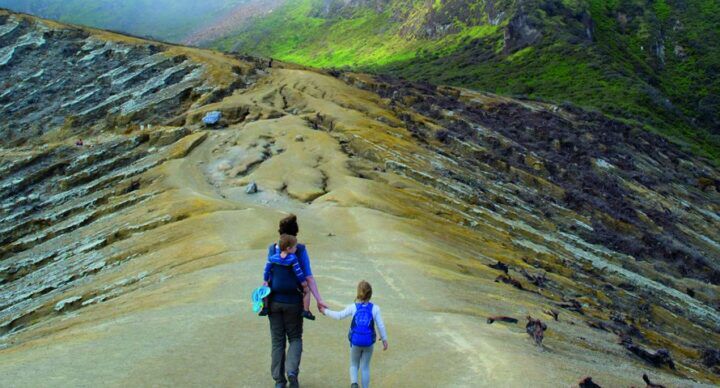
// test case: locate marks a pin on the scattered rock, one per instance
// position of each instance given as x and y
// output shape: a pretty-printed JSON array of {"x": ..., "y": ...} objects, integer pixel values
[
  {"x": 67, "y": 303},
  {"x": 553, "y": 313},
  {"x": 501, "y": 318},
  {"x": 251, "y": 188},
  {"x": 134, "y": 186},
  {"x": 299, "y": 138},
  {"x": 212, "y": 118},
  {"x": 572, "y": 305},
  {"x": 597, "y": 324},
  {"x": 500, "y": 267},
  {"x": 658, "y": 359},
  {"x": 537, "y": 280},
  {"x": 507, "y": 279},
  {"x": 588, "y": 383},
  {"x": 536, "y": 330},
  {"x": 649, "y": 383}
]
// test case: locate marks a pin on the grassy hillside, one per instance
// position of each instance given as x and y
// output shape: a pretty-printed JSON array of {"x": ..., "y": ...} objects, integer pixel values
[
  {"x": 654, "y": 62},
  {"x": 364, "y": 39},
  {"x": 169, "y": 20}
]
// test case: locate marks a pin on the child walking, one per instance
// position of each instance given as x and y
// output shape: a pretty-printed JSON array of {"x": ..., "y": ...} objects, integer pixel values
[
  {"x": 280, "y": 264},
  {"x": 362, "y": 332}
]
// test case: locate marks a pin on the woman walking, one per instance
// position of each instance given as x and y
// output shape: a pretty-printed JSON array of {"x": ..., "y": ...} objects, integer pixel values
[{"x": 285, "y": 312}]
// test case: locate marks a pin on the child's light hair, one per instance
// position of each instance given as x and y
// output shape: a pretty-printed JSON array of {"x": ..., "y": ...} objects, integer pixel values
[
  {"x": 364, "y": 291},
  {"x": 286, "y": 242}
]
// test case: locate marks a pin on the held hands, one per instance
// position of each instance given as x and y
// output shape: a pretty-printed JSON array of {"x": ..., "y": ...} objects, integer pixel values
[
  {"x": 321, "y": 306},
  {"x": 385, "y": 345}
]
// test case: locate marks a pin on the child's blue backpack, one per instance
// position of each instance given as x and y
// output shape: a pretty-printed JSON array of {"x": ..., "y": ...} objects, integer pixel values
[{"x": 362, "y": 328}]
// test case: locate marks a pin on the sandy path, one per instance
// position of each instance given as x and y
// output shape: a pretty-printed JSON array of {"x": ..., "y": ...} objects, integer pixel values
[{"x": 197, "y": 329}]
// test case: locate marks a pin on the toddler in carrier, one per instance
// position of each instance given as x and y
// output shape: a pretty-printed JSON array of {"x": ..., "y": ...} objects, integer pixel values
[{"x": 277, "y": 275}]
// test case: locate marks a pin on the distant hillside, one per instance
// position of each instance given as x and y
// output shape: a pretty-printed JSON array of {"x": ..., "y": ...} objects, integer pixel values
[
  {"x": 170, "y": 20},
  {"x": 654, "y": 62}
]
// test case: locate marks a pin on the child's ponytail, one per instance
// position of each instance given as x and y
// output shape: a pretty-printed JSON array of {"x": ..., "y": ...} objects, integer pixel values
[{"x": 364, "y": 291}]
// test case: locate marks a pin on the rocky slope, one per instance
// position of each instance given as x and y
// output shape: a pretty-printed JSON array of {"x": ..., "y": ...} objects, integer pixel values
[
  {"x": 105, "y": 81},
  {"x": 127, "y": 260}
]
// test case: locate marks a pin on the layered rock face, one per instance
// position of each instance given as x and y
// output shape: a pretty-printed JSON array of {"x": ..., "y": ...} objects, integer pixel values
[
  {"x": 62, "y": 198},
  {"x": 69, "y": 78},
  {"x": 138, "y": 245},
  {"x": 61, "y": 211}
]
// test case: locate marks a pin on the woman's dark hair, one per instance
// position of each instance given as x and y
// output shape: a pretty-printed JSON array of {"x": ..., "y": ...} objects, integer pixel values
[{"x": 288, "y": 225}]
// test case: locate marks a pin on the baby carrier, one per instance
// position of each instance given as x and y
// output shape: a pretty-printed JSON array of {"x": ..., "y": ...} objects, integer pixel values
[
  {"x": 362, "y": 328},
  {"x": 284, "y": 285}
]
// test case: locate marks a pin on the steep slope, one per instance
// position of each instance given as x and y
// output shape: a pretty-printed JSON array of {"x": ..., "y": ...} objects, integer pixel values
[
  {"x": 109, "y": 81},
  {"x": 130, "y": 262},
  {"x": 655, "y": 63}
]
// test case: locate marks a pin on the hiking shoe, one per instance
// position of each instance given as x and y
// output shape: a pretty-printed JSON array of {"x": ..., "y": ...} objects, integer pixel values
[
  {"x": 308, "y": 315},
  {"x": 280, "y": 385},
  {"x": 354, "y": 385},
  {"x": 293, "y": 381},
  {"x": 264, "y": 312}
]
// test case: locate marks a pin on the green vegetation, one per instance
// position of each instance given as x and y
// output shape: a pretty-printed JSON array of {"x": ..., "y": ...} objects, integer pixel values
[
  {"x": 366, "y": 40},
  {"x": 662, "y": 10},
  {"x": 657, "y": 66}
]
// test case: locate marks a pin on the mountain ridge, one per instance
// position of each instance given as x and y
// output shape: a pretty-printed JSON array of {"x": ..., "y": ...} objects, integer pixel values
[{"x": 654, "y": 64}]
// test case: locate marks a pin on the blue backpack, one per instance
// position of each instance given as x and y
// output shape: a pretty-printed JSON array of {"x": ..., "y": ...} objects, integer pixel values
[{"x": 362, "y": 328}]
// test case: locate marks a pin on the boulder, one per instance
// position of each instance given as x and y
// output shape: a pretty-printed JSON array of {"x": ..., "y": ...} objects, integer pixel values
[
  {"x": 66, "y": 303},
  {"x": 212, "y": 118}
]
